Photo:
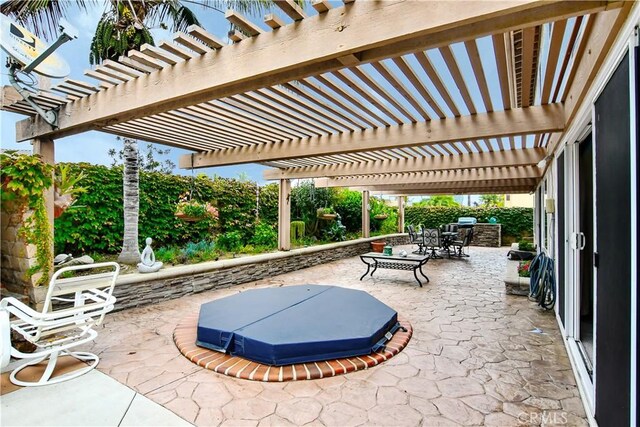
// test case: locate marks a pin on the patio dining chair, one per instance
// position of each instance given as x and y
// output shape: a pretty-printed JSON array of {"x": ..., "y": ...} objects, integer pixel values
[
  {"x": 449, "y": 228},
  {"x": 460, "y": 244},
  {"x": 432, "y": 242},
  {"x": 416, "y": 239},
  {"x": 72, "y": 308}
]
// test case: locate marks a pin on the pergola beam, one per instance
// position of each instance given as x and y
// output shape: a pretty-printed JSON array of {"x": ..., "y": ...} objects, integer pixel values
[
  {"x": 497, "y": 186},
  {"x": 433, "y": 192},
  {"x": 370, "y": 30},
  {"x": 523, "y": 157},
  {"x": 532, "y": 120},
  {"x": 458, "y": 176}
]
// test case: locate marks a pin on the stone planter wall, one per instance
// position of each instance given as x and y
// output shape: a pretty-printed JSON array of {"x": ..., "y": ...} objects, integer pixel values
[
  {"x": 133, "y": 290},
  {"x": 488, "y": 235},
  {"x": 15, "y": 260},
  {"x": 514, "y": 284}
]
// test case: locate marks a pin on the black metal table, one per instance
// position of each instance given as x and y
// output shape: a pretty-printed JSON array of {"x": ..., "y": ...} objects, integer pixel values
[
  {"x": 411, "y": 262},
  {"x": 447, "y": 238}
]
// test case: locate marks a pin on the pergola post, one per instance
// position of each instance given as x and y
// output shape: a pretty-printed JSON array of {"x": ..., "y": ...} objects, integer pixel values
[
  {"x": 45, "y": 147},
  {"x": 284, "y": 215},
  {"x": 400, "y": 214},
  {"x": 365, "y": 214}
]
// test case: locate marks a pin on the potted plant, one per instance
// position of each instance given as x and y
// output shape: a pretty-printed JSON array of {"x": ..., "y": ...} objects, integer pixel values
[
  {"x": 192, "y": 210},
  {"x": 381, "y": 216},
  {"x": 524, "y": 269},
  {"x": 522, "y": 250},
  {"x": 378, "y": 245},
  {"x": 327, "y": 213},
  {"x": 66, "y": 190}
]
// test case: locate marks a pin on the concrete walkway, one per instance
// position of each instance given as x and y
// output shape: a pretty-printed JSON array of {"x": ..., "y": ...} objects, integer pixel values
[
  {"x": 94, "y": 399},
  {"x": 477, "y": 356}
]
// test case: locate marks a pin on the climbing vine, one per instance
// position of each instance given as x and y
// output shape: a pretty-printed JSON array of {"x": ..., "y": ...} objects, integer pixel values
[{"x": 24, "y": 179}]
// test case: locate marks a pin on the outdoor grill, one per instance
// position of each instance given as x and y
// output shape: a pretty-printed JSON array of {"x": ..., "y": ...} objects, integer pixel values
[{"x": 466, "y": 222}]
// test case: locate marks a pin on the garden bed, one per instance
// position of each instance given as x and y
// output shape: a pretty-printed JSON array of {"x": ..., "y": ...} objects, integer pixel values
[{"x": 137, "y": 289}]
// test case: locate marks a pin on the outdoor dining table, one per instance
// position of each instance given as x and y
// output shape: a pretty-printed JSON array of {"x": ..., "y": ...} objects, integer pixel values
[{"x": 447, "y": 238}]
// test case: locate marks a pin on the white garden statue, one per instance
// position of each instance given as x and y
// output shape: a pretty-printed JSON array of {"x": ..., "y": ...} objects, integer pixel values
[{"x": 149, "y": 263}]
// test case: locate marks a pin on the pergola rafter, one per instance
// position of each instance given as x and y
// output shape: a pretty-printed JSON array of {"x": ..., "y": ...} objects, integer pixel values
[{"x": 400, "y": 28}]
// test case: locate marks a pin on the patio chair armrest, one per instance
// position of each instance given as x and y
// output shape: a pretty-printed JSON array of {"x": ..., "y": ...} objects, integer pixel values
[{"x": 15, "y": 306}]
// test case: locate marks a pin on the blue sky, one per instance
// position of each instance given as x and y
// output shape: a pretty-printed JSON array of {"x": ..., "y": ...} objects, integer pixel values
[{"x": 93, "y": 146}]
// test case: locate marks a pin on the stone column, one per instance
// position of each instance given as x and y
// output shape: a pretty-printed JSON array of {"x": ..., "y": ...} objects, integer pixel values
[
  {"x": 284, "y": 215},
  {"x": 400, "y": 214},
  {"x": 365, "y": 214}
]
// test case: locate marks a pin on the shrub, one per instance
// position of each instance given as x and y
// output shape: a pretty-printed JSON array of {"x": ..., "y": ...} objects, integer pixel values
[
  {"x": 95, "y": 223},
  {"x": 24, "y": 178},
  {"x": 523, "y": 245},
  {"x": 230, "y": 241},
  {"x": 516, "y": 222},
  {"x": 348, "y": 204},
  {"x": 390, "y": 224},
  {"x": 169, "y": 255},
  {"x": 265, "y": 235},
  {"x": 335, "y": 232},
  {"x": 297, "y": 231},
  {"x": 200, "y": 251},
  {"x": 191, "y": 253}
]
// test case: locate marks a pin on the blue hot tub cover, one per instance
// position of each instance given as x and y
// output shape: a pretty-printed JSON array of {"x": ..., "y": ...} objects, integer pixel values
[{"x": 296, "y": 324}]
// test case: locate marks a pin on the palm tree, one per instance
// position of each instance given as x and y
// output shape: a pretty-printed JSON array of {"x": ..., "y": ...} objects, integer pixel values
[{"x": 130, "y": 253}]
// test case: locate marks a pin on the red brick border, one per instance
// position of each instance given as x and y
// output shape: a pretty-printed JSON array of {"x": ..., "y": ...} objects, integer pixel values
[{"x": 185, "y": 338}]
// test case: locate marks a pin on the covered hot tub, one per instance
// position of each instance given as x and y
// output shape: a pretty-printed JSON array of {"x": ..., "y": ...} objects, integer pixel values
[{"x": 296, "y": 324}]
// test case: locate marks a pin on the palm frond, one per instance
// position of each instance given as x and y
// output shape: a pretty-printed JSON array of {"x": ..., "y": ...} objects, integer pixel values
[
  {"x": 248, "y": 7},
  {"x": 180, "y": 16},
  {"x": 41, "y": 16}
]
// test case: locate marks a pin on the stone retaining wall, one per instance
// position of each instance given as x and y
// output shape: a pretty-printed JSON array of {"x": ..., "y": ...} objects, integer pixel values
[
  {"x": 16, "y": 258},
  {"x": 487, "y": 235},
  {"x": 133, "y": 290}
]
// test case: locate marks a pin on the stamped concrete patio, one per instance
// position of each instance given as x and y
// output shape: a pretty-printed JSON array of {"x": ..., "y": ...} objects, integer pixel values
[{"x": 477, "y": 356}]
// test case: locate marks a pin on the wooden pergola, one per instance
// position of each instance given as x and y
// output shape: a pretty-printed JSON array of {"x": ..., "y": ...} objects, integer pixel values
[{"x": 371, "y": 95}]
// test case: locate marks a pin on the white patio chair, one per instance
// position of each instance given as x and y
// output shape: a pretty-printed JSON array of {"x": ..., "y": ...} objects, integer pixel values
[{"x": 72, "y": 308}]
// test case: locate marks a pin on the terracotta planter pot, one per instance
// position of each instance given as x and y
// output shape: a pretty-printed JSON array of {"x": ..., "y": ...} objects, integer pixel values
[
  {"x": 378, "y": 246},
  {"x": 57, "y": 211}
]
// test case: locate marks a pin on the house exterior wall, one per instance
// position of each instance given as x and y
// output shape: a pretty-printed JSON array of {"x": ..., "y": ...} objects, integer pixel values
[
  {"x": 518, "y": 200},
  {"x": 603, "y": 406}
]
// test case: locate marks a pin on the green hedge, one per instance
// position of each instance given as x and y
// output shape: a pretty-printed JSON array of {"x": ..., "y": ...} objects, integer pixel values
[
  {"x": 95, "y": 223},
  {"x": 516, "y": 222}
]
